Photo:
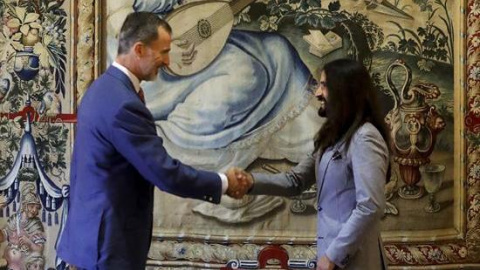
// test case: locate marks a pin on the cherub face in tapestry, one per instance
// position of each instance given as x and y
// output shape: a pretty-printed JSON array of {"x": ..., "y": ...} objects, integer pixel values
[
  {"x": 32, "y": 210},
  {"x": 31, "y": 205}
]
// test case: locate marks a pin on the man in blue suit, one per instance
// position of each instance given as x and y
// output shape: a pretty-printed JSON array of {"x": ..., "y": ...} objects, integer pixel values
[{"x": 118, "y": 159}]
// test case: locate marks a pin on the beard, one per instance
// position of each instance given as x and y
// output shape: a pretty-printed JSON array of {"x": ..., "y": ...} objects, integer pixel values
[
  {"x": 322, "y": 111},
  {"x": 152, "y": 76}
]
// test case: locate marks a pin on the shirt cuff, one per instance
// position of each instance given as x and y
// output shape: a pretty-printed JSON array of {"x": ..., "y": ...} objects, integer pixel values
[{"x": 224, "y": 182}]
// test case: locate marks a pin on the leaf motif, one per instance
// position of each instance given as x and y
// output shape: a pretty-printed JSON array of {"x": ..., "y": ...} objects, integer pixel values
[
  {"x": 300, "y": 19},
  {"x": 47, "y": 39},
  {"x": 441, "y": 54},
  {"x": 24, "y": 29},
  {"x": 35, "y": 25},
  {"x": 3, "y": 47},
  {"x": 274, "y": 9},
  {"x": 3, "y": 51},
  {"x": 3, "y": 38},
  {"x": 313, "y": 20},
  {"x": 51, "y": 4},
  {"x": 52, "y": 62},
  {"x": 391, "y": 209},
  {"x": 31, "y": 17},
  {"x": 421, "y": 31},
  {"x": 425, "y": 65},
  {"x": 273, "y": 19},
  {"x": 327, "y": 23},
  {"x": 263, "y": 25},
  {"x": 263, "y": 22},
  {"x": 304, "y": 5},
  {"x": 20, "y": 11},
  {"x": 442, "y": 41},
  {"x": 17, "y": 45},
  {"x": 274, "y": 27},
  {"x": 314, "y": 3},
  {"x": 334, "y": 6},
  {"x": 43, "y": 55},
  {"x": 17, "y": 36},
  {"x": 13, "y": 23},
  {"x": 284, "y": 8},
  {"x": 339, "y": 17}
]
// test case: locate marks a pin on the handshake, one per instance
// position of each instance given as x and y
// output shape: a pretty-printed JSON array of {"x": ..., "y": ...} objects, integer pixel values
[{"x": 239, "y": 182}]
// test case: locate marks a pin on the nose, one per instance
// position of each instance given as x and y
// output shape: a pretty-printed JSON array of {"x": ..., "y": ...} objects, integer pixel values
[
  {"x": 166, "y": 60},
  {"x": 319, "y": 92}
]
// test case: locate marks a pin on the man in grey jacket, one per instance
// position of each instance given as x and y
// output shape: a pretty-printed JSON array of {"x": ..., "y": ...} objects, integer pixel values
[{"x": 350, "y": 166}]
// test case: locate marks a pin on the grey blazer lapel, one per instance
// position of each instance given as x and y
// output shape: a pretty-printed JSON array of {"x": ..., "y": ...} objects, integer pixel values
[
  {"x": 320, "y": 178},
  {"x": 330, "y": 155}
]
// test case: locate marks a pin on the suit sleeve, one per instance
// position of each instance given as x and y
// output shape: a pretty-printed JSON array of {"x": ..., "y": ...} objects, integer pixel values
[
  {"x": 369, "y": 155},
  {"x": 135, "y": 137},
  {"x": 290, "y": 183}
]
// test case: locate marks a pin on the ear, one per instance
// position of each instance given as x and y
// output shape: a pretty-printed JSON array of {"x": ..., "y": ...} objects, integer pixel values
[{"x": 138, "y": 49}]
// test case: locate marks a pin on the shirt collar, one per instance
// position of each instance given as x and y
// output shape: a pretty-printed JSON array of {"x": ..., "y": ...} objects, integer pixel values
[{"x": 135, "y": 81}]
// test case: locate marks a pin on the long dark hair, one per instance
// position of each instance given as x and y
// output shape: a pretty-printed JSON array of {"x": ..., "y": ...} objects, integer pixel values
[{"x": 352, "y": 100}]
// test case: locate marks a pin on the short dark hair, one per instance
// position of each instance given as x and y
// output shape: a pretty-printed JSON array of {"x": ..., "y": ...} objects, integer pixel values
[
  {"x": 140, "y": 26},
  {"x": 352, "y": 101}
]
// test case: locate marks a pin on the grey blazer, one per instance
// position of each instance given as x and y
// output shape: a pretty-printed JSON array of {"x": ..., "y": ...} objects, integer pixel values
[{"x": 351, "y": 198}]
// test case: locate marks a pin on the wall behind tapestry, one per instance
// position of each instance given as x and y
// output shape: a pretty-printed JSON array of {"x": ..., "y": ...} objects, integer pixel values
[{"x": 36, "y": 105}]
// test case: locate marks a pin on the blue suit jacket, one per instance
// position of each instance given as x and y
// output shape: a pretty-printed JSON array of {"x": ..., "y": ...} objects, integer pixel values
[{"x": 117, "y": 160}]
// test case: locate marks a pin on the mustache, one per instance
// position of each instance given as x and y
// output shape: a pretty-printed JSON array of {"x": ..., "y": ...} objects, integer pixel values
[
  {"x": 322, "y": 110},
  {"x": 321, "y": 98}
]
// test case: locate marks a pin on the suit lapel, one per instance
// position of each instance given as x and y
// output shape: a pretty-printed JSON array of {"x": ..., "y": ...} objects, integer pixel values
[{"x": 328, "y": 155}]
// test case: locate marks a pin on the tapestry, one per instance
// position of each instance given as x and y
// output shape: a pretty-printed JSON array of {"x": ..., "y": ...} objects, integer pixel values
[{"x": 35, "y": 95}]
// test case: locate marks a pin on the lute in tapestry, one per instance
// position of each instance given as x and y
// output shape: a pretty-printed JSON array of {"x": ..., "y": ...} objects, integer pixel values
[{"x": 200, "y": 31}]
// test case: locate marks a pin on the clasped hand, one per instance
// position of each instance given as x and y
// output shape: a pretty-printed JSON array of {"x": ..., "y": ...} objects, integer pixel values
[{"x": 239, "y": 182}]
